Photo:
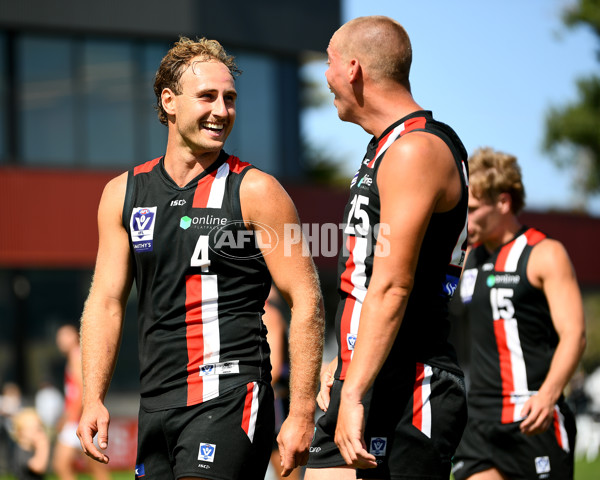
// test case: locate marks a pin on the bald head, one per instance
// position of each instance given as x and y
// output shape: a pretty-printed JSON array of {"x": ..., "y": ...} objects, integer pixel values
[{"x": 380, "y": 44}]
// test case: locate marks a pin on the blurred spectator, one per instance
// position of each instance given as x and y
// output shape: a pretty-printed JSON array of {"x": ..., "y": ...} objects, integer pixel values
[
  {"x": 68, "y": 448},
  {"x": 49, "y": 404},
  {"x": 32, "y": 450},
  {"x": 10, "y": 403}
]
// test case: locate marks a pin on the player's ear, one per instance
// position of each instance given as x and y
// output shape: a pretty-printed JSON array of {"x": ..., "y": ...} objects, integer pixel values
[
  {"x": 504, "y": 202},
  {"x": 167, "y": 97},
  {"x": 354, "y": 70}
]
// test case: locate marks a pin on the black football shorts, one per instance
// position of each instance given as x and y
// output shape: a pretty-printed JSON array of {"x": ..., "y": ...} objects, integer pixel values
[
  {"x": 412, "y": 427},
  {"x": 228, "y": 437},
  {"x": 547, "y": 456}
]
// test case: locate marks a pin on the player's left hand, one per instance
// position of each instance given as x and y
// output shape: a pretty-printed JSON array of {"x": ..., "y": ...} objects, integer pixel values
[
  {"x": 539, "y": 413},
  {"x": 294, "y": 439},
  {"x": 349, "y": 435}
]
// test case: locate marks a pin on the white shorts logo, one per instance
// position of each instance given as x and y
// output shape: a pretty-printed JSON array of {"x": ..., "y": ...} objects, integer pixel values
[
  {"x": 351, "y": 340},
  {"x": 378, "y": 446},
  {"x": 542, "y": 465},
  {"x": 207, "y": 452}
]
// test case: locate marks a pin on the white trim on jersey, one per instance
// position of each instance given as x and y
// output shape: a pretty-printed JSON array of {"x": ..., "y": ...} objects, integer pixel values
[
  {"x": 358, "y": 279},
  {"x": 512, "y": 259},
  {"x": 210, "y": 333},
  {"x": 391, "y": 139},
  {"x": 217, "y": 189},
  {"x": 458, "y": 254},
  {"x": 562, "y": 431},
  {"x": 253, "y": 412},
  {"x": 425, "y": 398},
  {"x": 520, "y": 393}
]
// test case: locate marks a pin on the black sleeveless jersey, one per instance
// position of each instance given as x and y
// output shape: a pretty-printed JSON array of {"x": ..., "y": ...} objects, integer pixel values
[
  {"x": 423, "y": 335},
  {"x": 201, "y": 284},
  {"x": 513, "y": 338}
]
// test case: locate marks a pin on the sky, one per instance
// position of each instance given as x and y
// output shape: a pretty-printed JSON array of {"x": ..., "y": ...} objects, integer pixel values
[{"x": 490, "y": 69}]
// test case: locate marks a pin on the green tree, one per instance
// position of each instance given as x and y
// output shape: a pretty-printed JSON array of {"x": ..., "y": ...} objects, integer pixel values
[{"x": 573, "y": 130}]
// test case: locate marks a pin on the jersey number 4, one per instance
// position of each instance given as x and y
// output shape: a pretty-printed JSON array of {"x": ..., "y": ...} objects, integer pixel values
[{"x": 200, "y": 255}]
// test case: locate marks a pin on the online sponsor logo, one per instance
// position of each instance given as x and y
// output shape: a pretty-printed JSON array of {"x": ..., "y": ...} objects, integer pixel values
[
  {"x": 503, "y": 279},
  {"x": 201, "y": 222}
]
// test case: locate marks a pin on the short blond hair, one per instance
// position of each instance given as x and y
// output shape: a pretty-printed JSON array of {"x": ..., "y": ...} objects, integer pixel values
[
  {"x": 179, "y": 58},
  {"x": 492, "y": 172}
]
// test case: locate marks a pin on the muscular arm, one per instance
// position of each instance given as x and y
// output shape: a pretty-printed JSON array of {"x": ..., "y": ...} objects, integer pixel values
[
  {"x": 265, "y": 201},
  {"x": 102, "y": 320},
  {"x": 409, "y": 193},
  {"x": 550, "y": 269}
]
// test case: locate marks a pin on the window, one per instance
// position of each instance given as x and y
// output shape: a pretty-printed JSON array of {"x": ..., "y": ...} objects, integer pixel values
[{"x": 45, "y": 100}]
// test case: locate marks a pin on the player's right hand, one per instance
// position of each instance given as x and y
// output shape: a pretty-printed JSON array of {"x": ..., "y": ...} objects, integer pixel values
[
  {"x": 94, "y": 421},
  {"x": 323, "y": 396}
]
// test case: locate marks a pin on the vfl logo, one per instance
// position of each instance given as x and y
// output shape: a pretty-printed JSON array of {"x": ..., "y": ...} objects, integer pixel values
[
  {"x": 206, "y": 369},
  {"x": 542, "y": 465},
  {"x": 140, "y": 471},
  {"x": 142, "y": 224},
  {"x": 351, "y": 340},
  {"x": 207, "y": 452},
  {"x": 378, "y": 446}
]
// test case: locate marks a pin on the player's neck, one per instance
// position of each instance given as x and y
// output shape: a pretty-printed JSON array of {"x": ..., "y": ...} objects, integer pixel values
[
  {"x": 183, "y": 166},
  {"x": 385, "y": 110},
  {"x": 506, "y": 233}
]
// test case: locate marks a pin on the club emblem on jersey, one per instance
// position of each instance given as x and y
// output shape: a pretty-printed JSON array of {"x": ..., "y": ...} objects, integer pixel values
[
  {"x": 378, "y": 446},
  {"x": 467, "y": 284},
  {"x": 207, "y": 452},
  {"x": 140, "y": 471},
  {"x": 351, "y": 340},
  {"x": 542, "y": 465},
  {"x": 142, "y": 224}
]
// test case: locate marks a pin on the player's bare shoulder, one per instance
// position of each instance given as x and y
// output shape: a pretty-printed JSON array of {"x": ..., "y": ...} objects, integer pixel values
[
  {"x": 261, "y": 194},
  {"x": 113, "y": 198},
  {"x": 424, "y": 159},
  {"x": 548, "y": 257}
]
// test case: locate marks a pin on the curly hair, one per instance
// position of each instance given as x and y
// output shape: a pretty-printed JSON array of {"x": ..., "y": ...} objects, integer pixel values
[
  {"x": 177, "y": 61},
  {"x": 492, "y": 173}
]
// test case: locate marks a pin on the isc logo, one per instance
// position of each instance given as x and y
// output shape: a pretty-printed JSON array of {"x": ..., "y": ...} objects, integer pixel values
[{"x": 176, "y": 203}]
